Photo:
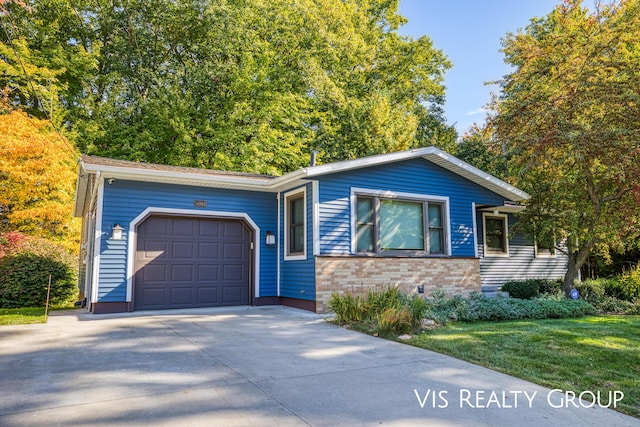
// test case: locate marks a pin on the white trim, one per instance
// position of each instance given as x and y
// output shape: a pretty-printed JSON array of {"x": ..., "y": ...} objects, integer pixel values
[
  {"x": 132, "y": 237},
  {"x": 475, "y": 229},
  {"x": 287, "y": 196},
  {"x": 488, "y": 254},
  {"x": 315, "y": 195},
  {"x": 278, "y": 242},
  {"x": 97, "y": 240},
  {"x": 356, "y": 191},
  {"x": 146, "y": 172},
  {"x": 537, "y": 254}
]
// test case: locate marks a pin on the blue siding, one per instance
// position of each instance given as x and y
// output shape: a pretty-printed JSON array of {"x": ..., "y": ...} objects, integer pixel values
[
  {"x": 124, "y": 200},
  {"x": 297, "y": 277},
  {"x": 417, "y": 176}
]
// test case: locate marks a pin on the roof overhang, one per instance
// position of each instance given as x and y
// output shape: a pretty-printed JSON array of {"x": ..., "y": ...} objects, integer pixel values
[
  {"x": 434, "y": 155},
  {"x": 119, "y": 169}
]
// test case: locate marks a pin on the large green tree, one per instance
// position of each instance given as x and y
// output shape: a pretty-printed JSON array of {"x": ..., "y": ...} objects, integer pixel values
[
  {"x": 248, "y": 85},
  {"x": 569, "y": 115}
]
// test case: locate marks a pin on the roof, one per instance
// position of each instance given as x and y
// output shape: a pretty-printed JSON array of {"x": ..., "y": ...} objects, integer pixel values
[{"x": 123, "y": 169}]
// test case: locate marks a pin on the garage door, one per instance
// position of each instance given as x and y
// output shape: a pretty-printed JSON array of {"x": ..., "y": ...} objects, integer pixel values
[{"x": 192, "y": 262}]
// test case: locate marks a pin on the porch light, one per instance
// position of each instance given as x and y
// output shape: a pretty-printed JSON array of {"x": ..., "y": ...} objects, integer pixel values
[
  {"x": 116, "y": 232},
  {"x": 270, "y": 238}
]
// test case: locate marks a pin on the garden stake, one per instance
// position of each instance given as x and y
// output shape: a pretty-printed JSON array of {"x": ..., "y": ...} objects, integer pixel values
[{"x": 46, "y": 306}]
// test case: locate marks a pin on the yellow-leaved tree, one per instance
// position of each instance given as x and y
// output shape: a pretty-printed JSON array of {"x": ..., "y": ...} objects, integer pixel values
[{"x": 37, "y": 180}]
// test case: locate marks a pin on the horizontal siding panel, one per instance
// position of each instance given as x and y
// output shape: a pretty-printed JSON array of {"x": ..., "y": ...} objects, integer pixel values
[
  {"x": 124, "y": 200},
  {"x": 519, "y": 265},
  {"x": 417, "y": 176}
]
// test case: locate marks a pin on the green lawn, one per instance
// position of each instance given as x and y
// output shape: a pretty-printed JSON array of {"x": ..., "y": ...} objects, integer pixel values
[
  {"x": 21, "y": 316},
  {"x": 589, "y": 353}
]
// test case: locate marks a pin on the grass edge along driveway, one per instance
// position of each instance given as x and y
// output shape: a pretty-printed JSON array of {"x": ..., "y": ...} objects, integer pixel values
[{"x": 595, "y": 353}]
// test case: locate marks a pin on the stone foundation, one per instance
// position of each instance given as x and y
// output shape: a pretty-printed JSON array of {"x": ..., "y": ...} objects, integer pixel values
[{"x": 358, "y": 275}]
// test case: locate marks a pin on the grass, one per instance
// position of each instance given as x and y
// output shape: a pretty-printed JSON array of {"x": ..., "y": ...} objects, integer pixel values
[
  {"x": 597, "y": 353},
  {"x": 21, "y": 316}
]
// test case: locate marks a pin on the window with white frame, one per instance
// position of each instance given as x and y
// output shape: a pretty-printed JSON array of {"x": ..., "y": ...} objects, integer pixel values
[
  {"x": 496, "y": 240},
  {"x": 387, "y": 225},
  {"x": 295, "y": 225},
  {"x": 545, "y": 247}
]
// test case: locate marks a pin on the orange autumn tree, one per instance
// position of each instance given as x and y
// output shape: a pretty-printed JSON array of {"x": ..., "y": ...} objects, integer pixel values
[{"x": 37, "y": 180}]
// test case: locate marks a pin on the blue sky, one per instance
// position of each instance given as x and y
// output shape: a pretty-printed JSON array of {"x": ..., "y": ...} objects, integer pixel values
[{"x": 469, "y": 33}]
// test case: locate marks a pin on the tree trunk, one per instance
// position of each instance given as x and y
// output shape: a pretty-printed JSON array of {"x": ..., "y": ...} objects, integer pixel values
[{"x": 570, "y": 275}]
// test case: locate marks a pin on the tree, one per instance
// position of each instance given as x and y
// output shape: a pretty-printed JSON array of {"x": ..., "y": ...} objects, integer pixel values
[
  {"x": 569, "y": 116},
  {"x": 37, "y": 180},
  {"x": 254, "y": 85},
  {"x": 479, "y": 148}
]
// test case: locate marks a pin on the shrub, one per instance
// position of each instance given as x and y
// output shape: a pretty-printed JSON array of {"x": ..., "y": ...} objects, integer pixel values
[
  {"x": 395, "y": 320},
  {"x": 522, "y": 289},
  {"x": 478, "y": 308},
  {"x": 24, "y": 275},
  {"x": 628, "y": 286}
]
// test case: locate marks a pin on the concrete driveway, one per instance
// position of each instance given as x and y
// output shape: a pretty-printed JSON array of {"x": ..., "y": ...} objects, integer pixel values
[{"x": 254, "y": 366}]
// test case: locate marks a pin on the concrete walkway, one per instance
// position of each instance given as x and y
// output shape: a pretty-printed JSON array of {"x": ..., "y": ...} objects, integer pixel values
[{"x": 253, "y": 366}]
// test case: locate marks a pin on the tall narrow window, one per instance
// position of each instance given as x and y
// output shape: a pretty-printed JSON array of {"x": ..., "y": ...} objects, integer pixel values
[
  {"x": 296, "y": 228},
  {"x": 436, "y": 229},
  {"x": 365, "y": 225},
  {"x": 495, "y": 235}
]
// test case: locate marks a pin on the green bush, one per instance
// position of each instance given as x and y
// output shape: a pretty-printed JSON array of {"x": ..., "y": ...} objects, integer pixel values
[
  {"x": 477, "y": 307},
  {"x": 24, "y": 276},
  {"x": 628, "y": 286},
  {"x": 522, "y": 289}
]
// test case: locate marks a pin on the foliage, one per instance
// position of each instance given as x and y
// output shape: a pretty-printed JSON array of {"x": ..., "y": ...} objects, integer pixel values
[
  {"x": 385, "y": 311},
  {"x": 21, "y": 316},
  {"x": 523, "y": 289},
  {"x": 619, "y": 294},
  {"x": 531, "y": 288},
  {"x": 37, "y": 180},
  {"x": 587, "y": 353},
  {"x": 569, "y": 117},
  {"x": 247, "y": 86},
  {"x": 478, "y": 308},
  {"x": 479, "y": 148},
  {"x": 25, "y": 270}
]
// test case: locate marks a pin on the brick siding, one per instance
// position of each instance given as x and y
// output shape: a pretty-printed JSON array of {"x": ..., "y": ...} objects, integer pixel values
[{"x": 358, "y": 275}]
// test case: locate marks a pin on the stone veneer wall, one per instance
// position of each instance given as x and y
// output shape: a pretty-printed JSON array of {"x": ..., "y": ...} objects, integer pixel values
[{"x": 342, "y": 274}]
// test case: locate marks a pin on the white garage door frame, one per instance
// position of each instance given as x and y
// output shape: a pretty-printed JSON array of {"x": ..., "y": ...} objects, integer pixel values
[{"x": 133, "y": 231}]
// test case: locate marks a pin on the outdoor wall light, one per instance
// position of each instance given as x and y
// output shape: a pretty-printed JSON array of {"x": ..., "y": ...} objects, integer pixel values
[
  {"x": 270, "y": 238},
  {"x": 116, "y": 232}
]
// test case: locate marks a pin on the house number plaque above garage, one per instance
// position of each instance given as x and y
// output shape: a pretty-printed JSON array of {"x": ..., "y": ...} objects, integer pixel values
[{"x": 200, "y": 203}]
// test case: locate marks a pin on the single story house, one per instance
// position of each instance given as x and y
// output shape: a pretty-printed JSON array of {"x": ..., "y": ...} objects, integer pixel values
[{"x": 162, "y": 237}]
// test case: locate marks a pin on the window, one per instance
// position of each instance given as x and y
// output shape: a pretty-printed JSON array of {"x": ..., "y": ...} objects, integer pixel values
[
  {"x": 495, "y": 235},
  {"x": 545, "y": 248},
  {"x": 389, "y": 224},
  {"x": 295, "y": 218}
]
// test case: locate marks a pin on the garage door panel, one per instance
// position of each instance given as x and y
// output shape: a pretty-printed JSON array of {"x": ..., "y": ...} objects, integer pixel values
[
  {"x": 153, "y": 273},
  {"x": 154, "y": 226},
  {"x": 208, "y": 250},
  {"x": 184, "y": 227},
  {"x": 181, "y": 296},
  {"x": 208, "y": 272},
  {"x": 233, "y": 230},
  {"x": 208, "y": 295},
  {"x": 232, "y": 295},
  {"x": 210, "y": 228},
  {"x": 153, "y": 250},
  {"x": 234, "y": 251},
  {"x": 197, "y": 262},
  {"x": 182, "y": 249}
]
